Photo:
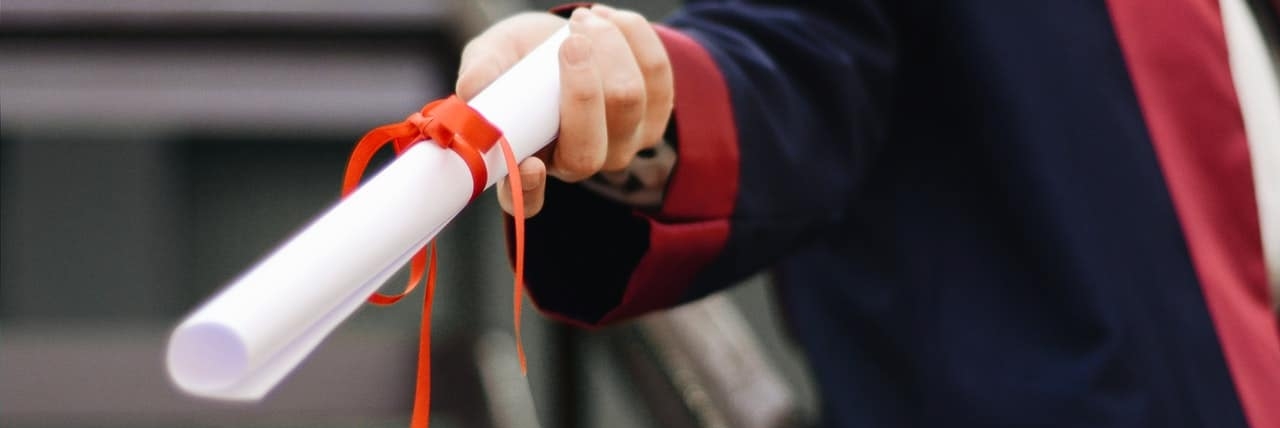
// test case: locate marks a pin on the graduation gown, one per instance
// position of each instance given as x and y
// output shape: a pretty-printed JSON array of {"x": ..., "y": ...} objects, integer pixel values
[{"x": 1018, "y": 213}]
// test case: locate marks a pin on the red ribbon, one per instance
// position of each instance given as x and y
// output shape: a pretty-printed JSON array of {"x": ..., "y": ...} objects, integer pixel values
[{"x": 453, "y": 125}]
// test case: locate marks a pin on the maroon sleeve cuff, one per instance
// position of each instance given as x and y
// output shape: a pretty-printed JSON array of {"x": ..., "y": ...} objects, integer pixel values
[
  {"x": 589, "y": 287},
  {"x": 692, "y": 226}
]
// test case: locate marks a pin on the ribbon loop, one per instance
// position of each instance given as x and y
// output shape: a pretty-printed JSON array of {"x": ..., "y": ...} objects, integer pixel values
[{"x": 455, "y": 126}]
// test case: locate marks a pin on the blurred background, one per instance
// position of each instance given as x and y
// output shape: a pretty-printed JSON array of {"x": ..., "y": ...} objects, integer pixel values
[{"x": 152, "y": 150}]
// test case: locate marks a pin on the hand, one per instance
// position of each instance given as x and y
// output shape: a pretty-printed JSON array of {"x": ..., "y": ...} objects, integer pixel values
[{"x": 615, "y": 91}]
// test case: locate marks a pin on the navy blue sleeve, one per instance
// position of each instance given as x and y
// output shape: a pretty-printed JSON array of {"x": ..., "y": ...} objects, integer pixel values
[{"x": 780, "y": 110}]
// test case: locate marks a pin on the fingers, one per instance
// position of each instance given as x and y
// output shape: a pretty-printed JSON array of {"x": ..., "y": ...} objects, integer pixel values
[
  {"x": 616, "y": 85},
  {"x": 583, "y": 142},
  {"x": 477, "y": 75},
  {"x": 494, "y": 51},
  {"x": 483, "y": 60},
  {"x": 651, "y": 58},
  {"x": 622, "y": 83},
  {"x": 533, "y": 177}
]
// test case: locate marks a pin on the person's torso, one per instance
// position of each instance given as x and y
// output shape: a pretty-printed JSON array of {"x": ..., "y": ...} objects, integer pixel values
[{"x": 1015, "y": 257}]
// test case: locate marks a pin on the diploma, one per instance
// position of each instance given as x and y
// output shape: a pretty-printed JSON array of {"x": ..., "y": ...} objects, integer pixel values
[{"x": 245, "y": 339}]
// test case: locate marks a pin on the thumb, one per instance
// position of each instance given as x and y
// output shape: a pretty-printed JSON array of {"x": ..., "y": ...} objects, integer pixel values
[{"x": 533, "y": 177}]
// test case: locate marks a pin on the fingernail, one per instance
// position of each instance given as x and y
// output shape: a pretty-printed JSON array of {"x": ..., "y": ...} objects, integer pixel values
[
  {"x": 577, "y": 49},
  {"x": 580, "y": 14}
]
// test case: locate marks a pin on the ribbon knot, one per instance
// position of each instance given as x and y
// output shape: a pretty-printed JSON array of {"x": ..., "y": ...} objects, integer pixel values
[
  {"x": 455, "y": 126},
  {"x": 423, "y": 124}
]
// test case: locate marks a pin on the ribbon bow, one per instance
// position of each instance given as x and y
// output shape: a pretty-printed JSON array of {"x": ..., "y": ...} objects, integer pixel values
[{"x": 455, "y": 126}]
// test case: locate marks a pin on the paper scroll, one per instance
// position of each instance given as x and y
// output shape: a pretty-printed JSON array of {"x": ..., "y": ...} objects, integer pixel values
[{"x": 249, "y": 336}]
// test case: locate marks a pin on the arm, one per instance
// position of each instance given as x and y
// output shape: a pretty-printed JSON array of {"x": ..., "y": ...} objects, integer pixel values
[{"x": 779, "y": 110}]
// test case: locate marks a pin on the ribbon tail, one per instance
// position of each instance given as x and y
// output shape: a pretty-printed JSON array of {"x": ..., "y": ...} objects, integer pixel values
[
  {"x": 422, "y": 387},
  {"x": 517, "y": 206}
]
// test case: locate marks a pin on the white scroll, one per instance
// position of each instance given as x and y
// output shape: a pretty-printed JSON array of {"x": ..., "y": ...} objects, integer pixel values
[{"x": 249, "y": 336}]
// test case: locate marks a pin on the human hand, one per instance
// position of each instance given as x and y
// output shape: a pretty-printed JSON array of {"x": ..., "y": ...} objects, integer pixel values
[{"x": 616, "y": 91}]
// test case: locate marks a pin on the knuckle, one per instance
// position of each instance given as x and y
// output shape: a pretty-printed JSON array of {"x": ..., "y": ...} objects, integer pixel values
[
  {"x": 655, "y": 65},
  {"x": 578, "y": 166},
  {"x": 630, "y": 94},
  {"x": 582, "y": 93}
]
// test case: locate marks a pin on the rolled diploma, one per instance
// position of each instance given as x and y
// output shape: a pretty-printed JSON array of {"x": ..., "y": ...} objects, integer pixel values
[{"x": 249, "y": 336}]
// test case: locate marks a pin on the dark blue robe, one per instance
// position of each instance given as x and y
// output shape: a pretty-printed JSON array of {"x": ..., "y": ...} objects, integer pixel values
[{"x": 977, "y": 212}]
